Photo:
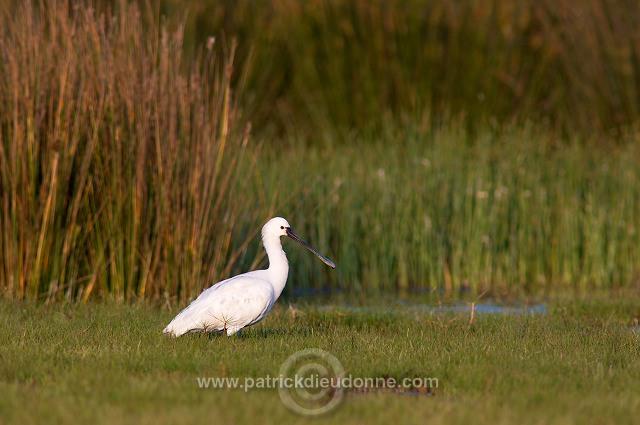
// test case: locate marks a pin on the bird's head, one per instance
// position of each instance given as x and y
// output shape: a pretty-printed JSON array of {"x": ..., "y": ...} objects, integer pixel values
[{"x": 278, "y": 226}]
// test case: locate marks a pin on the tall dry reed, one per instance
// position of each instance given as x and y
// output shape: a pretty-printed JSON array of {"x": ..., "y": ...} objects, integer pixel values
[{"x": 119, "y": 158}]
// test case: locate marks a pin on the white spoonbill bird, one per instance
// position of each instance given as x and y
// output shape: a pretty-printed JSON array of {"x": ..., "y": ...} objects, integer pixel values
[{"x": 245, "y": 299}]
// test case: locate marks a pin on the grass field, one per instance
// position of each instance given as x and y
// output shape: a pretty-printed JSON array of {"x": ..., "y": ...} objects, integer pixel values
[{"x": 109, "y": 363}]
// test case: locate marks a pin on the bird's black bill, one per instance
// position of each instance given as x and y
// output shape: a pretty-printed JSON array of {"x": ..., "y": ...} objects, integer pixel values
[{"x": 297, "y": 238}]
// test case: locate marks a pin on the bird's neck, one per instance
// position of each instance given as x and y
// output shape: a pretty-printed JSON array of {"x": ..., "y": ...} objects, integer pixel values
[{"x": 278, "y": 264}]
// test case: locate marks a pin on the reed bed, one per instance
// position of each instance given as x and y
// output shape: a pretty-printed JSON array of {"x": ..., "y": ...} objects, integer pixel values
[
  {"x": 127, "y": 167},
  {"x": 449, "y": 211},
  {"x": 118, "y": 158}
]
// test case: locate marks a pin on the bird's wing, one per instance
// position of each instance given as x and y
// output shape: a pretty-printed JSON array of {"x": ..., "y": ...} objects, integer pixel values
[{"x": 233, "y": 303}]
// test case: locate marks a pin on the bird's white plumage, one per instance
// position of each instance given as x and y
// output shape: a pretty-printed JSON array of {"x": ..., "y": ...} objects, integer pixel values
[
  {"x": 231, "y": 304},
  {"x": 245, "y": 299}
]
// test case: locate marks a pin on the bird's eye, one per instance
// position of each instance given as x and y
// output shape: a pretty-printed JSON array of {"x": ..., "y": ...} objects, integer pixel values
[{"x": 282, "y": 227}]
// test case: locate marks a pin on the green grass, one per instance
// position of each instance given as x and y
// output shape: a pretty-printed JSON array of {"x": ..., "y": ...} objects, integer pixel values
[{"x": 109, "y": 363}]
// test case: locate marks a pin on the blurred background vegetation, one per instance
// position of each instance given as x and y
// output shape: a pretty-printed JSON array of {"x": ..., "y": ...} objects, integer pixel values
[
  {"x": 572, "y": 65},
  {"x": 425, "y": 145}
]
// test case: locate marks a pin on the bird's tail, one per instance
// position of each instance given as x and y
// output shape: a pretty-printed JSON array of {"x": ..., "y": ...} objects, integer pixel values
[
  {"x": 168, "y": 331},
  {"x": 176, "y": 329}
]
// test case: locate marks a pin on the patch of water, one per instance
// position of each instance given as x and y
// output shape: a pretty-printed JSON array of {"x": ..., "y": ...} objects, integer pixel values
[
  {"x": 483, "y": 308},
  {"x": 487, "y": 308}
]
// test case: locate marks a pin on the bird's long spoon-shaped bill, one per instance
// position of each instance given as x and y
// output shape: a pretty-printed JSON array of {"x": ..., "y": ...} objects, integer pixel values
[{"x": 297, "y": 238}]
